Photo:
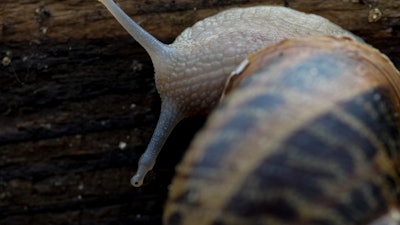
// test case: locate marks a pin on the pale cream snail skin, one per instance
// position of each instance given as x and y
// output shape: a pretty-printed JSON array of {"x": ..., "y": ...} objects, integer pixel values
[{"x": 190, "y": 73}]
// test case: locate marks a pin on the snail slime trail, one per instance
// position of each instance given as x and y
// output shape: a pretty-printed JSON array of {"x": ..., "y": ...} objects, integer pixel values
[{"x": 191, "y": 72}]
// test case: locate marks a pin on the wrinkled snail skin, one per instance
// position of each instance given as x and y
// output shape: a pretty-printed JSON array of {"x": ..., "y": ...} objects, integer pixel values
[
  {"x": 191, "y": 72},
  {"x": 308, "y": 135}
]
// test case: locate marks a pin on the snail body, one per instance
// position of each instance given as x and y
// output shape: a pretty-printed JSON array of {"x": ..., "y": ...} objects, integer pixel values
[
  {"x": 309, "y": 134},
  {"x": 191, "y": 72}
]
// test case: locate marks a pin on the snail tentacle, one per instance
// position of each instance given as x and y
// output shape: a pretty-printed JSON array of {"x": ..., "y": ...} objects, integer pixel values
[
  {"x": 154, "y": 47},
  {"x": 169, "y": 117}
]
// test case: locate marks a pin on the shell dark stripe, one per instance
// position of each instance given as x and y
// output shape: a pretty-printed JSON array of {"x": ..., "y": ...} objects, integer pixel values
[
  {"x": 295, "y": 175},
  {"x": 312, "y": 153},
  {"x": 239, "y": 123},
  {"x": 319, "y": 161}
]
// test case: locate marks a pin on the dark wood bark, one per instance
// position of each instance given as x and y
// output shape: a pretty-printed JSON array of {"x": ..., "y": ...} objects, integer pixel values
[{"x": 75, "y": 88}]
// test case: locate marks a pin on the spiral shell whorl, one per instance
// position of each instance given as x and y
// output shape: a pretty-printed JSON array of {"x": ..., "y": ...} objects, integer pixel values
[{"x": 311, "y": 137}]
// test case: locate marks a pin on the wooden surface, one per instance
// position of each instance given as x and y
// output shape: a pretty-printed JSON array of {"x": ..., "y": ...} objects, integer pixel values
[{"x": 75, "y": 88}]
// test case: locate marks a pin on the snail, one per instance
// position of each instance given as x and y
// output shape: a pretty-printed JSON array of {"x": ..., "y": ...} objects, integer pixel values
[
  {"x": 307, "y": 132},
  {"x": 190, "y": 73}
]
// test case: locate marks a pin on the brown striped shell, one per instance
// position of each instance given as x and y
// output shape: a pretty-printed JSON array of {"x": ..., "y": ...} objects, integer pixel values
[{"x": 308, "y": 135}]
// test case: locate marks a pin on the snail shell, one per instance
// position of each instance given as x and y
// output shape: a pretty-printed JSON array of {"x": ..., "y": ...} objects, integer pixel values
[{"x": 309, "y": 134}]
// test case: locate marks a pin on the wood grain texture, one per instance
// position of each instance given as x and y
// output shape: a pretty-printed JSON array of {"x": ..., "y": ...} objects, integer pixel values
[
  {"x": 74, "y": 86},
  {"x": 79, "y": 19}
]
